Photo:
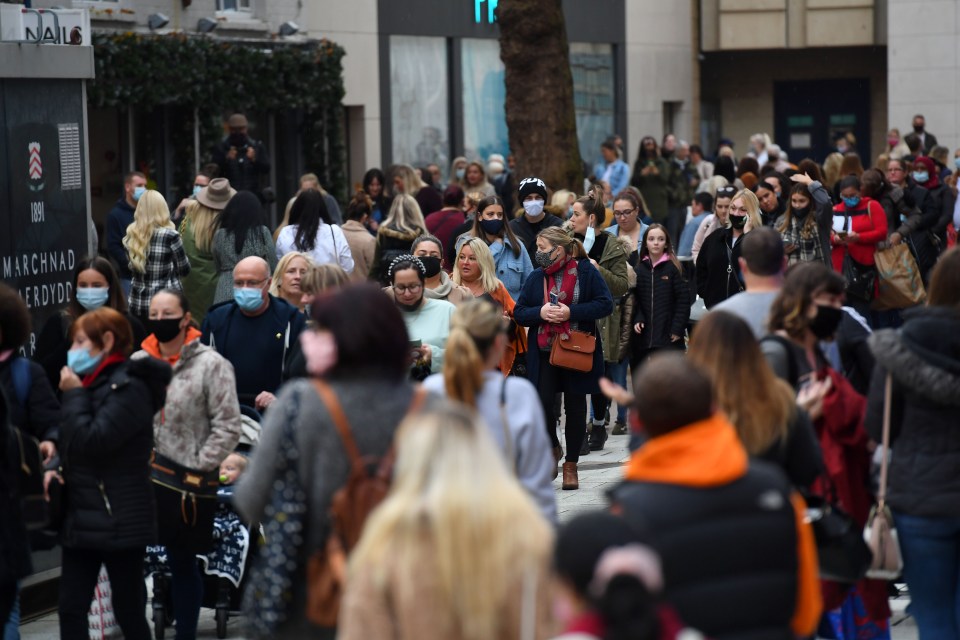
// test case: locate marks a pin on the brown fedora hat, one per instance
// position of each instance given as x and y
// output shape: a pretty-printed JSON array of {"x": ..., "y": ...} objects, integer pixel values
[{"x": 217, "y": 194}]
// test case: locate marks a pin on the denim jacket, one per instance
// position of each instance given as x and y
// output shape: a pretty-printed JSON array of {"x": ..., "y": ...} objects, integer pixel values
[{"x": 511, "y": 270}]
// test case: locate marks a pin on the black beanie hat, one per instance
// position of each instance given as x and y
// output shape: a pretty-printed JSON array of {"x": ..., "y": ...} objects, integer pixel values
[
  {"x": 583, "y": 540},
  {"x": 532, "y": 185}
]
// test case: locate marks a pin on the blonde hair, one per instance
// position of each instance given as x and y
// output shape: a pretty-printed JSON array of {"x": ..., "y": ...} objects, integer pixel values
[
  {"x": 436, "y": 509},
  {"x": 204, "y": 221},
  {"x": 412, "y": 182},
  {"x": 323, "y": 277},
  {"x": 405, "y": 215},
  {"x": 282, "y": 266},
  {"x": 831, "y": 169},
  {"x": 561, "y": 199},
  {"x": 488, "y": 270},
  {"x": 473, "y": 328},
  {"x": 753, "y": 208},
  {"x": 560, "y": 238},
  {"x": 151, "y": 214}
]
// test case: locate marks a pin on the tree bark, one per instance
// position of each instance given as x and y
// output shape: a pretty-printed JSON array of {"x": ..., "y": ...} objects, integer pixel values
[{"x": 541, "y": 120}]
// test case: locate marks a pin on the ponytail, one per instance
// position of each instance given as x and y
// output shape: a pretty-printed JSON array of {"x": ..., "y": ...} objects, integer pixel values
[
  {"x": 473, "y": 329},
  {"x": 592, "y": 204}
]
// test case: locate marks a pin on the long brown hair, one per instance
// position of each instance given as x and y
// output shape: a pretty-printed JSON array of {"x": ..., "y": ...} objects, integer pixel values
[
  {"x": 759, "y": 404},
  {"x": 478, "y": 232},
  {"x": 809, "y": 228},
  {"x": 944, "y": 290},
  {"x": 667, "y": 249},
  {"x": 803, "y": 282}
]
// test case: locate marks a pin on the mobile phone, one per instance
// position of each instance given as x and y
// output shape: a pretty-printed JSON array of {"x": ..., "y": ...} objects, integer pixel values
[
  {"x": 415, "y": 344},
  {"x": 554, "y": 299},
  {"x": 842, "y": 235}
]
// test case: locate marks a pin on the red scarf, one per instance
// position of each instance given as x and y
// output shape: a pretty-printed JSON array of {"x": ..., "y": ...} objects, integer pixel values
[
  {"x": 113, "y": 358},
  {"x": 546, "y": 332}
]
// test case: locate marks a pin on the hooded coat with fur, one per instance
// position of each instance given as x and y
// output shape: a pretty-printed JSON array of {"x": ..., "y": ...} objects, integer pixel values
[{"x": 924, "y": 360}]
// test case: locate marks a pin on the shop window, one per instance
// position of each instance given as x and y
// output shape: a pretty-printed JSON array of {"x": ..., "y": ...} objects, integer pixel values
[
  {"x": 484, "y": 92},
  {"x": 593, "y": 96},
  {"x": 419, "y": 101}
]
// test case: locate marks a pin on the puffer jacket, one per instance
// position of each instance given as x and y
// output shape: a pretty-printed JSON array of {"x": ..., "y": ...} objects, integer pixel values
[
  {"x": 105, "y": 443},
  {"x": 924, "y": 431},
  {"x": 612, "y": 258},
  {"x": 390, "y": 244},
  {"x": 662, "y": 305},
  {"x": 199, "y": 425}
]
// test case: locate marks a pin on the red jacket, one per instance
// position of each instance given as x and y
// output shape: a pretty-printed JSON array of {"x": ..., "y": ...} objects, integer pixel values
[{"x": 869, "y": 221}]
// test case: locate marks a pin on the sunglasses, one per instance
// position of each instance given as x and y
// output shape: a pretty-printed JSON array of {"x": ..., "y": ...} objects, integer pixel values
[{"x": 726, "y": 191}]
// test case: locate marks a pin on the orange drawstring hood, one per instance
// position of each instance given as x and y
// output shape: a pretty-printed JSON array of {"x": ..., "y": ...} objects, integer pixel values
[{"x": 151, "y": 345}]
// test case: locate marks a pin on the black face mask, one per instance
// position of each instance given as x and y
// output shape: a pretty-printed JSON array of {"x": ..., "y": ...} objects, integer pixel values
[
  {"x": 801, "y": 212},
  {"x": 166, "y": 329},
  {"x": 738, "y": 222},
  {"x": 238, "y": 139},
  {"x": 431, "y": 265},
  {"x": 824, "y": 324},
  {"x": 918, "y": 128}
]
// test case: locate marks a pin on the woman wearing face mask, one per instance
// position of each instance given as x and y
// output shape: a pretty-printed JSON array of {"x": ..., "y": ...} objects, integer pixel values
[
  {"x": 157, "y": 259},
  {"x": 719, "y": 219},
  {"x": 438, "y": 285},
  {"x": 427, "y": 320},
  {"x": 925, "y": 174},
  {"x": 458, "y": 170},
  {"x": 95, "y": 285},
  {"x": 106, "y": 438},
  {"x": 242, "y": 234},
  {"x": 718, "y": 264},
  {"x": 808, "y": 311},
  {"x": 609, "y": 255},
  {"x": 805, "y": 225},
  {"x": 579, "y": 299},
  {"x": 662, "y": 307},
  {"x": 859, "y": 225},
  {"x": 200, "y": 223},
  {"x": 510, "y": 258},
  {"x": 288, "y": 276},
  {"x": 197, "y": 428},
  {"x": 770, "y": 206},
  {"x": 896, "y": 147}
]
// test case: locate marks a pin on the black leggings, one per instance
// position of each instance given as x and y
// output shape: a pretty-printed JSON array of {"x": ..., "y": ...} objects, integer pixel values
[
  {"x": 80, "y": 569},
  {"x": 552, "y": 381}
]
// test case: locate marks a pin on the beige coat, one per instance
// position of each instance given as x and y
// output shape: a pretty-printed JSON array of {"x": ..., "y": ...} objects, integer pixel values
[{"x": 362, "y": 245}]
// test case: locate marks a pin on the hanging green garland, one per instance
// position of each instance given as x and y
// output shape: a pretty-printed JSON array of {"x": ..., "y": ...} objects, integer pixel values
[{"x": 216, "y": 77}]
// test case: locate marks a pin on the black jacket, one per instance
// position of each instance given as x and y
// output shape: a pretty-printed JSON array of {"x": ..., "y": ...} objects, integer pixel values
[
  {"x": 798, "y": 455},
  {"x": 243, "y": 174},
  {"x": 729, "y": 552},
  {"x": 14, "y": 547},
  {"x": 662, "y": 303},
  {"x": 526, "y": 231},
  {"x": 924, "y": 359},
  {"x": 106, "y": 439},
  {"x": 718, "y": 268},
  {"x": 41, "y": 415}
]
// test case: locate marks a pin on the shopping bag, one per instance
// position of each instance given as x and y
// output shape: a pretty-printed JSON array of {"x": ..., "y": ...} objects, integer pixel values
[
  {"x": 102, "y": 623},
  {"x": 900, "y": 282}
]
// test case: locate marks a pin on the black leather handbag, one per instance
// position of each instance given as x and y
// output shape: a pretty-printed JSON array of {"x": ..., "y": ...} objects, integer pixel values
[
  {"x": 843, "y": 554},
  {"x": 861, "y": 279}
]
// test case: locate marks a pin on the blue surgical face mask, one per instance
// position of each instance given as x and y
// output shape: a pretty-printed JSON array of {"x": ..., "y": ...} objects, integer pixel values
[
  {"x": 248, "y": 299},
  {"x": 956, "y": 163},
  {"x": 533, "y": 208},
  {"x": 921, "y": 176},
  {"x": 589, "y": 238},
  {"x": 91, "y": 298},
  {"x": 81, "y": 361},
  {"x": 196, "y": 190},
  {"x": 851, "y": 203},
  {"x": 460, "y": 173},
  {"x": 137, "y": 192}
]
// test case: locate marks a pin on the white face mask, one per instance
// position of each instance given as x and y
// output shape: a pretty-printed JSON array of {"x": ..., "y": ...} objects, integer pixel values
[
  {"x": 533, "y": 208},
  {"x": 589, "y": 238}
]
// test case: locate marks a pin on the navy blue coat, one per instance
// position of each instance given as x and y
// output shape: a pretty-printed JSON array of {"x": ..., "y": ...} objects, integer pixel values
[{"x": 595, "y": 303}]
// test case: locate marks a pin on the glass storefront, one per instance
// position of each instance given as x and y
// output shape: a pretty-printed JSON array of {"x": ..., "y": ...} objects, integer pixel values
[
  {"x": 419, "y": 101},
  {"x": 593, "y": 96},
  {"x": 484, "y": 92}
]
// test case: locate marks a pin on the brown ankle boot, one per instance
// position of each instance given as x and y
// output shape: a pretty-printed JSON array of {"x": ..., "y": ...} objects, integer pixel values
[
  {"x": 570, "y": 479},
  {"x": 557, "y": 456}
]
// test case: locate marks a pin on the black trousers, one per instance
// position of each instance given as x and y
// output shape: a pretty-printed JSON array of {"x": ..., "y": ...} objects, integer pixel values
[
  {"x": 552, "y": 381},
  {"x": 78, "y": 577}
]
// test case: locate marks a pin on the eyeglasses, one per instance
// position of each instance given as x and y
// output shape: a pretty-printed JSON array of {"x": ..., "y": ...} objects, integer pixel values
[
  {"x": 412, "y": 288},
  {"x": 726, "y": 191},
  {"x": 622, "y": 214},
  {"x": 249, "y": 284}
]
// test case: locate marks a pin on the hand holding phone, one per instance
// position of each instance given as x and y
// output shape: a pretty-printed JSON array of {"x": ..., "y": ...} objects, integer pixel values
[{"x": 554, "y": 298}]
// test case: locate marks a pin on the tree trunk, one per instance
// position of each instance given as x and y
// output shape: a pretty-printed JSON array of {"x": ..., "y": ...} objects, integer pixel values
[{"x": 541, "y": 120}]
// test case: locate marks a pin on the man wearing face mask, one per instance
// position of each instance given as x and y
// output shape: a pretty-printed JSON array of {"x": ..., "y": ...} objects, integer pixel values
[
  {"x": 242, "y": 160},
  {"x": 927, "y": 140},
  {"x": 533, "y": 197},
  {"x": 121, "y": 217},
  {"x": 254, "y": 331}
]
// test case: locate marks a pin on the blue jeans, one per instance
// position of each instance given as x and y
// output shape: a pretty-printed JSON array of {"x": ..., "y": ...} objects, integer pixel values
[
  {"x": 931, "y": 567},
  {"x": 11, "y": 630},
  {"x": 599, "y": 403}
]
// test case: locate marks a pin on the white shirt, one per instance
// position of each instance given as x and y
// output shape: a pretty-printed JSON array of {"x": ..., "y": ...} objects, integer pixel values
[{"x": 331, "y": 246}]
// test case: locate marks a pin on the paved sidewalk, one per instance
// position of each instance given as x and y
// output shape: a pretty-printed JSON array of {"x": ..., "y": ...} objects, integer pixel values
[{"x": 598, "y": 472}]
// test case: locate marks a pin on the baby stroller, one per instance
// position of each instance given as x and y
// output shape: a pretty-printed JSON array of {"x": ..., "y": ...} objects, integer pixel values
[{"x": 224, "y": 576}]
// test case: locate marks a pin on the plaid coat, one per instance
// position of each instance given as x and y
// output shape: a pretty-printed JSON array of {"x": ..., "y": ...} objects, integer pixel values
[{"x": 166, "y": 264}]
